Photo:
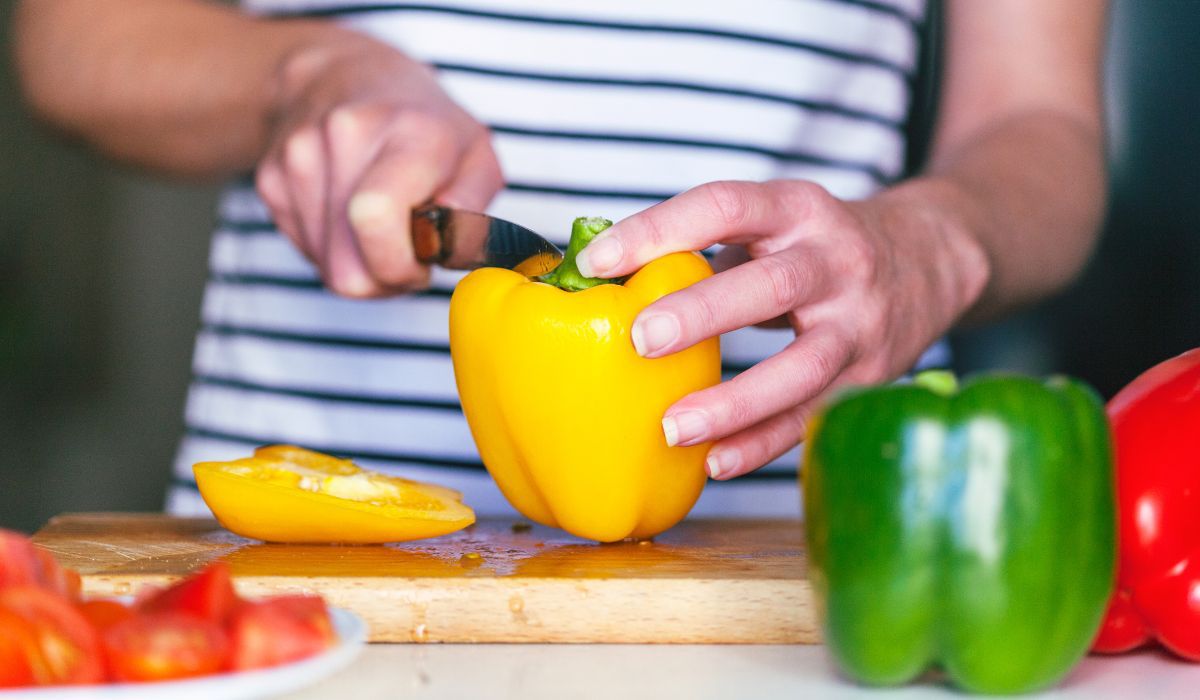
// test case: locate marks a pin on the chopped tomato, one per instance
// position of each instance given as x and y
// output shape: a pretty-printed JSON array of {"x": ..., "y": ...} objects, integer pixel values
[
  {"x": 19, "y": 565},
  {"x": 24, "y": 564},
  {"x": 103, "y": 614},
  {"x": 18, "y": 647},
  {"x": 197, "y": 626},
  {"x": 208, "y": 595},
  {"x": 54, "y": 577},
  {"x": 279, "y": 630},
  {"x": 161, "y": 646},
  {"x": 68, "y": 649}
]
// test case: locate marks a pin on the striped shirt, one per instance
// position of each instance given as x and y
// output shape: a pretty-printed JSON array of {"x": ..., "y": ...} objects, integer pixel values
[{"x": 598, "y": 109}]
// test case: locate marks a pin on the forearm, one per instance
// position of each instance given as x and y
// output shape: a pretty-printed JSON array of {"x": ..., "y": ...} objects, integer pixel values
[
  {"x": 1018, "y": 204},
  {"x": 180, "y": 86}
]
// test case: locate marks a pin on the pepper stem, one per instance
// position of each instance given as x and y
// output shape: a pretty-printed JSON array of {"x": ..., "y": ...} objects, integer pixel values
[
  {"x": 567, "y": 276},
  {"x": 939, "y": 381}
]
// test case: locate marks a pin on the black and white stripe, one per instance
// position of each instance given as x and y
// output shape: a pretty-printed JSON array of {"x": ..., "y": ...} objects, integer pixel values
[{"x": 600, "y": 109}]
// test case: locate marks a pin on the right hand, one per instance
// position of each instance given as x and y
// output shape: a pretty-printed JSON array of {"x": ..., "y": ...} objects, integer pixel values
[{"x": 362, "y": 135}]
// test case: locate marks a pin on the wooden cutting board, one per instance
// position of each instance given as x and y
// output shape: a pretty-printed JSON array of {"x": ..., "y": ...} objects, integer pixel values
[{"x": 704, "y": 581}]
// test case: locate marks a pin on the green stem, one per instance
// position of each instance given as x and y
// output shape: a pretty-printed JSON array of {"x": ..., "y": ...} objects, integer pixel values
[{"x": 567, "y": 276}]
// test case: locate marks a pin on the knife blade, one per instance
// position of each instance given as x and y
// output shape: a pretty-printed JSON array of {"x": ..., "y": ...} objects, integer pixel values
[{"x": 464, "y": 240}]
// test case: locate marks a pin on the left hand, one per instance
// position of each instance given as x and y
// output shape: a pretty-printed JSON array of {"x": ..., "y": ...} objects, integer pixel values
[{"x": 866, "y": 285}]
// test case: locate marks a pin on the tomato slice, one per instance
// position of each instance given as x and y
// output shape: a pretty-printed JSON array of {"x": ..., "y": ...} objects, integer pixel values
[
  {"x": 53, "y": 577},
  {"x": 103, "y": 614},
  {"x": 279, "y": 630},
  {"x": 19, "y": 564},
  {"x": 24, "y": 564},
  {"x": 67, "y": 648},
  {"x": 162, "y": 646},
  {"x": 208, "y": 595},
  {"x": 18, "y": 648}
]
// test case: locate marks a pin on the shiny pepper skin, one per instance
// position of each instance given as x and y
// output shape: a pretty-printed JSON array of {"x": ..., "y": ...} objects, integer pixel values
[{"x": 566, "y": 415}]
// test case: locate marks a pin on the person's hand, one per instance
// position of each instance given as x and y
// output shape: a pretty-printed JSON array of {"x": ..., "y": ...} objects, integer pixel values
[
  {"x": 866, "y": 286},
  {"x": 362, "y": 135}
]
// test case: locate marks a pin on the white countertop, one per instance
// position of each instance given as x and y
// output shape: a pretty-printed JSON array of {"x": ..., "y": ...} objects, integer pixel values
[{"x": 662, "y": 672}]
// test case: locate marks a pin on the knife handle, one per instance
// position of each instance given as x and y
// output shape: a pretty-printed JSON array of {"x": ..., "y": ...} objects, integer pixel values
[{"x": 432, "y": 234}]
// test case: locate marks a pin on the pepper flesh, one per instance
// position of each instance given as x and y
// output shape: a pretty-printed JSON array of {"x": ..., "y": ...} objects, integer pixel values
[
  {"x": 289, "y": 494},
  {"x": 566, "y": 415},
  {"x": 972, "y": 530},
  {"x": 1155, "y": 420}
]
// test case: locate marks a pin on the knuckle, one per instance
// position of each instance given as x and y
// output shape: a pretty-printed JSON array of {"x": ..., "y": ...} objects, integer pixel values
[
  {"x": 300, "y": 150},
  {"x": 740, "y": 405},
  {"x": 654, "y": 232},
  {"x": 346, "y": 123},
  {"x": 818, "y": 367},
  {"x": 374, "y": 218},
  {"x": 790, "y": 430},
  {"x": 804, "y": 196},
  {"x": 859, "y": 258},
  {"x": 702, "y": 317},
  {"x": 784, "y": 280},
  {"x": 844, "y": 349},
  {"x": 730, "y": 202}
]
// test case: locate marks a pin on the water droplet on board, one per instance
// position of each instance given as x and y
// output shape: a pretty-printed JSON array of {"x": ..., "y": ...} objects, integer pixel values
[
  {"x": 516, "y": 605},
  {"x": 470, "y": 560},
  {"x": 419, "y": 631}
]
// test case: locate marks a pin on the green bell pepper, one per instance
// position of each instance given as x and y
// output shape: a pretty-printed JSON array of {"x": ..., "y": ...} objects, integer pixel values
[{"x": 973, "y": 530}]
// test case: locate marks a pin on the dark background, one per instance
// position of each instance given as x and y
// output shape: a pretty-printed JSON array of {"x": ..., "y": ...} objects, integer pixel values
[{"x": 101, "y": 272}]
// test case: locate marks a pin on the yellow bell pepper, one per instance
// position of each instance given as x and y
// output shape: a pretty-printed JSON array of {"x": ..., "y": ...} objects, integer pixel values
[
  {"x": 566, "y": 415},
  {"x": 289, "y": 494}
]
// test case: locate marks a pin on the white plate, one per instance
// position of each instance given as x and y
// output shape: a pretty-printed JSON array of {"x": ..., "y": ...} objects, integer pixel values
[{"x": 264, "y": 683}]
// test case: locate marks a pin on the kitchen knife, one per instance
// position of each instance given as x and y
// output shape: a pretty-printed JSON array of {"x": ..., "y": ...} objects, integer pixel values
[{"x": 465, "y": 240}]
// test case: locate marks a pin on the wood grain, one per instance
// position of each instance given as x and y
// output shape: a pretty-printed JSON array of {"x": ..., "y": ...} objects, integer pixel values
[{"x": 704, "y": 581}]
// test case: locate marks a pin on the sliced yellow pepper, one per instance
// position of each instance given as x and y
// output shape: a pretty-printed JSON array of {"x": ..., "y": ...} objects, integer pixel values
[
  {"x": 289, "y": 494},
  {"x": 566, "y": 415}
]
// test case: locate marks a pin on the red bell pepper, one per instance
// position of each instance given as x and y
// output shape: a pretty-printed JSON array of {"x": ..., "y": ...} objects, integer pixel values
[{"x": 1156, "y": 426}]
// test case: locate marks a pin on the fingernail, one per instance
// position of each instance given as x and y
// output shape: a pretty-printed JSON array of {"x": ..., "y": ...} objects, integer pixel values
[
  {"x": 600, "y": 256},
  {"x": 653, "y": 333},
  {"x": 685, "y": 428},
  {"x": 369, "y": 209},
  {"x": 722, "y": 462}
]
